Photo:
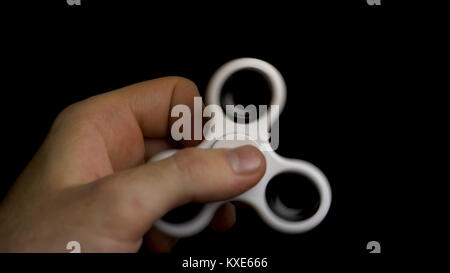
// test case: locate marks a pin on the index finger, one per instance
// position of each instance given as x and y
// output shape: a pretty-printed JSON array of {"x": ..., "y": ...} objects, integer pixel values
[
  {"x": 151, "y": 102},
  {"x": 119, "y": 121}
]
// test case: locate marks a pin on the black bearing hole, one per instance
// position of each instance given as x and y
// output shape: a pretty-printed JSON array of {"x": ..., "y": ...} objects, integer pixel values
[
  {"x": 245, "y": 87},
  {"x": 292, "y": 196},
  {"x": 183, "y": 214}
]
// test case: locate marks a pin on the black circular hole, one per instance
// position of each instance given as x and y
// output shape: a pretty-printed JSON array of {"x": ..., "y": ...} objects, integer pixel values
[
  {"x": 245, "y": 87},
  {"x": 292, "y": 196},
  {"x": 183, "y": 214}
]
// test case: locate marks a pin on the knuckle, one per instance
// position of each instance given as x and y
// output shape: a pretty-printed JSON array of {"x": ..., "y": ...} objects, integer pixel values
[
  {"x": 188, "y": 161},
  {"x": 73, "y": 115},
  {"x": 197, "y": 165},
  {"x": 182, "y": 80},
  {"x": 186, "y": 83},
  {"x": 68, "y": 112},
  {"x": 78, "y": 116}
]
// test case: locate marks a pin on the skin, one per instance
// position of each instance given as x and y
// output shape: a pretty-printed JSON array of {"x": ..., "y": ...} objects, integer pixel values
[{"x": 89, "y": 181}]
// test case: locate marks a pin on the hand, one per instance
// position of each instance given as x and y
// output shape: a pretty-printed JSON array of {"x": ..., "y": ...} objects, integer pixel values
[{"x": 89, "y": 181}]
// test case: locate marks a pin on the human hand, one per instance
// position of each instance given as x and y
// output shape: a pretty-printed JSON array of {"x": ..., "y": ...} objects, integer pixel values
[{"x": 89, "y": 181}]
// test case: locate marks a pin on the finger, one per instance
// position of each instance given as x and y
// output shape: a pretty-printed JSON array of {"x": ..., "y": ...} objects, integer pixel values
[
  {"x": 156, "y": 145},
  {"x": 160, "y": 242},
  {"x": 224, "y": 218},
  {"x": 144, "y": 194},
  {"x": 151, "y": 102},
  {"x": 118, "y": 121}
]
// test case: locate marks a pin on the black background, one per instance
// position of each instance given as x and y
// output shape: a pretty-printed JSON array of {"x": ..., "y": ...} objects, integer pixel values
[{"x": 348, "y": 68}]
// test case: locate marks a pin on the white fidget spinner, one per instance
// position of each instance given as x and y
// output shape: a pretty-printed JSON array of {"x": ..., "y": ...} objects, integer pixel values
[{"x": 275, "y": 164}]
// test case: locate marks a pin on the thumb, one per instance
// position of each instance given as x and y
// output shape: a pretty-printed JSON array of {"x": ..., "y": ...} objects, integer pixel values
[{"x": 147, "y": 192}]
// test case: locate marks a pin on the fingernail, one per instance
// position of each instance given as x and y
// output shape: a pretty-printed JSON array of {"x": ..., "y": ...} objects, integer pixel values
[{"x": 245, "y": 159}]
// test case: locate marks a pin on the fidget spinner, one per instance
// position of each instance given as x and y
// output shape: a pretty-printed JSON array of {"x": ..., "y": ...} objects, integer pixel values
[{"x": 273, "y": 211}]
